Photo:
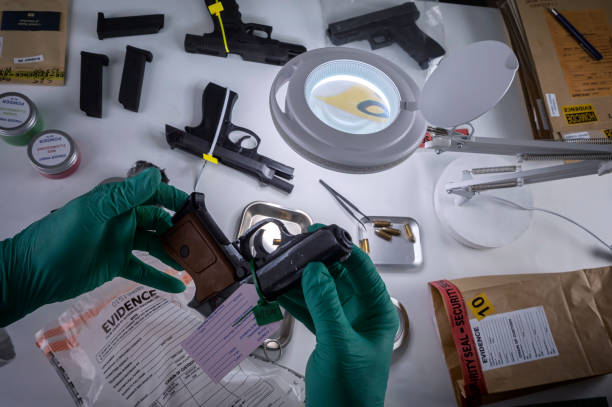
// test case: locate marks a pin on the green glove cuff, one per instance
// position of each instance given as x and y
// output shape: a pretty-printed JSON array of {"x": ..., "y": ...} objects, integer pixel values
[
  {"x": 8, "y": 312},
  {"x": 88, "y": 242}
]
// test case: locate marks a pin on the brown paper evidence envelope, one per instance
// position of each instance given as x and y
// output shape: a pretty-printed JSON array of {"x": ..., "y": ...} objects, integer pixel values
[
  {"x": 36, "y": 57},
  {"x": 584, "y": 76},
  {"x": 577, "y": 87}
]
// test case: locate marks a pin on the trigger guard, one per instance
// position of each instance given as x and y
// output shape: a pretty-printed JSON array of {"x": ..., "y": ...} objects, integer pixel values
[
  {"x": 232, "y": 127},
  {"x": 243, "y": 241},
  {"x": 260, "y": 251}
]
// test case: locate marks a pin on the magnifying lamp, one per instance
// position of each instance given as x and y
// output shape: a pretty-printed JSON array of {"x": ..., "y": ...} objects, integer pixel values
[
  {"x": 348, "y": 110},
  {"x": 472, "y": 81},
  {"x": 485, "y": 201},
  {"x": 354, "y": 111}
]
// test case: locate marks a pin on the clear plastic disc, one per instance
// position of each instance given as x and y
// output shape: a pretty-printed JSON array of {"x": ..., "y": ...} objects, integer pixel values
[{"x": 352, "y": 96}]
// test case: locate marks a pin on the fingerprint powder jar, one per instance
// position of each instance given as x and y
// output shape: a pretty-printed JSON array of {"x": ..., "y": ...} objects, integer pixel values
[
  {"x": 19, "y": 119},
  {"x": 54, "y": 154}
]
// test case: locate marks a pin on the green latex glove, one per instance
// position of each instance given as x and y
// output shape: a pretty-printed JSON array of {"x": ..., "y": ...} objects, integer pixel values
[
  {"x": 349, "y": 310},
  {"x": 88, "y": 242}
]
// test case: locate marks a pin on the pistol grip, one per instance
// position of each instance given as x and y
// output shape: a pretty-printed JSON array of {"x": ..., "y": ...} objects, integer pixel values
[
  {"x": 421, "y": 47},
  {"x": 195, "y": 249}
]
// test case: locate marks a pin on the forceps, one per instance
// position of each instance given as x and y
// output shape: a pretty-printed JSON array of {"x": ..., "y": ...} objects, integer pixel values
[{"x": 346, "y": 204}]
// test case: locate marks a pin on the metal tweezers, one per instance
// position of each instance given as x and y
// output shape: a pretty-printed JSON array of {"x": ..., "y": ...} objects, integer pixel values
[{"x": 345, "y": 203}]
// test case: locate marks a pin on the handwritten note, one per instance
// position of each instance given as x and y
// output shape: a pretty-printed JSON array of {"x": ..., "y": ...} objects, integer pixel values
[
  {"x": 584, "y": 76},
  {"x": 228, "y": 335}
]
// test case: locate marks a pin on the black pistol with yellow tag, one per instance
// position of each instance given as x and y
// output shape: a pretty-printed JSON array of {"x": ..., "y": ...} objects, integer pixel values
[
  {"x": 218, "y": 266},
  {"x": 385, "y": 27},
  {"x": 235, "y": 146},
  {"x": 253, "y": 42}
]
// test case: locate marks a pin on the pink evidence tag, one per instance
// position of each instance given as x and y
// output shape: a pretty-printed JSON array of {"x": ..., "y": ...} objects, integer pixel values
[{"x": 228, "y": 335}]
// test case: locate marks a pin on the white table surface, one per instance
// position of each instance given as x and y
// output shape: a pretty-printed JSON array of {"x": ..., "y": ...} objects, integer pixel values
[{"x": 172, "y": 93}]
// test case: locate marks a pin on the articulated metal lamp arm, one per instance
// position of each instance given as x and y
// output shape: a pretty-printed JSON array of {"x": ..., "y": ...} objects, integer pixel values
[
  {"x": 599, "y": 149},
  {"x": 596, "y": 156}
]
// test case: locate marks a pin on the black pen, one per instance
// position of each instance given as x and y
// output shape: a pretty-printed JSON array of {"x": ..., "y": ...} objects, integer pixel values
[{"x": 590, "y": 49}]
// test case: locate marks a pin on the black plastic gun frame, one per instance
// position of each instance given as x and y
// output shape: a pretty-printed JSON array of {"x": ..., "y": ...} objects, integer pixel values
[
  {"x": 90, "y": 100},
  {"x": 132, "y": 25},
  {"x": 218, "y": 266},
  {"x": 385, "y": 27},
  {"x": 133, "y": 76},
  {"x": 241, "y": 39},
  {"x": 236, "y": 153},
  {"x": 281, "y": 269}
]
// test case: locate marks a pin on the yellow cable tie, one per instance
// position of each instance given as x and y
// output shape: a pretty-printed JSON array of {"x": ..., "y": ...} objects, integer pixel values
[
  {"x": 210, "y": 158},
  {"x": 223, "y": 34},
  {"x": 216, "y": 9}
]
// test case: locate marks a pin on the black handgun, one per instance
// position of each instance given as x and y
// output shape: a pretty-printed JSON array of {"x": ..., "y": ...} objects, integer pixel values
[
  {"x": 236, "y": 146},
  {"x": 384, "y": 27},
  {"x": 241, "y": 39},
  {"x": 219, "y": 266}
]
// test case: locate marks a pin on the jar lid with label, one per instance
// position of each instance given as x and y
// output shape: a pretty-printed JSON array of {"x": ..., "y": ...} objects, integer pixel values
[
  {"x": 19, "y": 118},
  {"x": 54, "y": 154}
]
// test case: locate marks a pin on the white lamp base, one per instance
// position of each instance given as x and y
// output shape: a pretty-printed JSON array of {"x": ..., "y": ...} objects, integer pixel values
[{"x": 482, "y": 223}]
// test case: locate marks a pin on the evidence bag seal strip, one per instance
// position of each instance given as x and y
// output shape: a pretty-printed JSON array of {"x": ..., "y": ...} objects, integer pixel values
[{"x": 473, "y": 377}]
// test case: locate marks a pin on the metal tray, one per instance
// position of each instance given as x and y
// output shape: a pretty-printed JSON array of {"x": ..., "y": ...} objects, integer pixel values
[
  {"x": 296, "y": 222},
  {"x": 399, "y": 251}
]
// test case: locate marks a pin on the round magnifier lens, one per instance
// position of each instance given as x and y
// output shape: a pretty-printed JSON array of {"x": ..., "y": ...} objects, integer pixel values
[
  {"x": 352, "y": 96},
  {"x": 348, "y": 110}
]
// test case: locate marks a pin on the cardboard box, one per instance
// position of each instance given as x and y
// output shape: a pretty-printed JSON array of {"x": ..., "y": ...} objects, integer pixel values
[
  {"x": 576, "y": 89},
  {"x": 33, "y": 41}
]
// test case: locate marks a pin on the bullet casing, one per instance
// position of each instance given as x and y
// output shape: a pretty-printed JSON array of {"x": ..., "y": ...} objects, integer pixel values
[
  {"x": 392, "y": 231},
  {"x": 364, "y": 244},
  {"x": 392, "y": 250},
  {"x": 379, "y": 223},
  {"x": 383, "y": 235},
  {"x": 408, "y": 230}
]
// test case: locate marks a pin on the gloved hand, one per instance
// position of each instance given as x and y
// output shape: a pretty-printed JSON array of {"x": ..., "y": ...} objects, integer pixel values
[
  {"x": 88, "y": 242},
  {"x": 349, "y": 310}
]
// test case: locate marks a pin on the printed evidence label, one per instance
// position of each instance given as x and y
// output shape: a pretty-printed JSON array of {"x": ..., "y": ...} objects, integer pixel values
[{"x": 513, "y": 337}]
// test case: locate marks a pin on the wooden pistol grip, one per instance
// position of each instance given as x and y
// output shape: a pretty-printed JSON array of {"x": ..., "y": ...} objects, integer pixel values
[{"x": 190, "y": 244}]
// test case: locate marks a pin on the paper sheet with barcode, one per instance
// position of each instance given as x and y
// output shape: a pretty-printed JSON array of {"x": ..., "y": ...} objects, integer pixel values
[
  {"x": 120, "y": 345},
  {"x": 515, "y": 337}
]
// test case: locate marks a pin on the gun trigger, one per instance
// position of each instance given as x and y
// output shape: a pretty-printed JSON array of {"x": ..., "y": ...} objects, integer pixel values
[
  {"x": 238, "y": 142},
  {"x": 379, "y": 40},
  {"x": 250, "y": 29},
  {"x": 285, "y": 235}
]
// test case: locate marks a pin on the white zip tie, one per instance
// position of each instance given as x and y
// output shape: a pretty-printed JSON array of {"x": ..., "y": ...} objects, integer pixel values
[{"x": 215, "y": 139}]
